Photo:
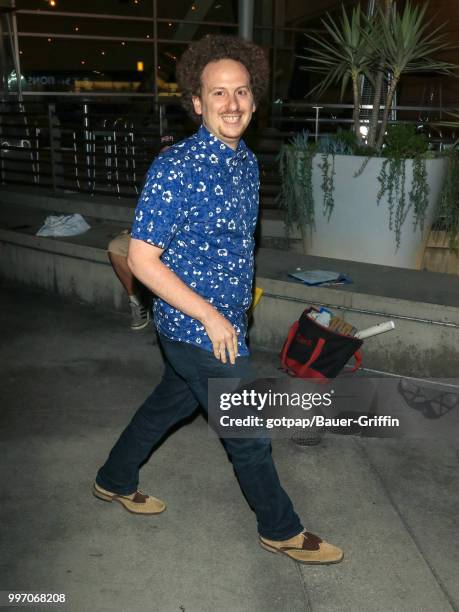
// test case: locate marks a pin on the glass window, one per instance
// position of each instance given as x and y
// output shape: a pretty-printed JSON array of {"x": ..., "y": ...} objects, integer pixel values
[
  {"x": 168, "y": 54},
  {"x": 133, "y": 8},
  {"x": 198, "y": 10},
  {"x": 8, "y": 78},
  {"x": 66, "y": 65},
  {"x": 77, "y": 26}
]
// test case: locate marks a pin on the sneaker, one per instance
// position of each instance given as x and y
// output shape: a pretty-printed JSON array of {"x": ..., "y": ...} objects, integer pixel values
[
  {"x": 305, "y": 548},
  {"x": 140, "y": 315}
]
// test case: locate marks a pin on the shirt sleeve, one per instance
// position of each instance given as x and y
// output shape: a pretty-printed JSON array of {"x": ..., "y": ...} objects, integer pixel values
[{"x": 161, "y": 207}]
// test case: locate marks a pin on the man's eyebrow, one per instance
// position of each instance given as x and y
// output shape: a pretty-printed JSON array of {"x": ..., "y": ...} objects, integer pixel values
[{"x": 225, "y": 87}]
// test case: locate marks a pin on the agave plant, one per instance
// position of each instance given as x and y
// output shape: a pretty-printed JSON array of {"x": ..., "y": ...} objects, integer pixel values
[
  {"x": 408, "y": 45},
  {"x": 379, "y": 48},
  {"x": 345, "y": 57}
]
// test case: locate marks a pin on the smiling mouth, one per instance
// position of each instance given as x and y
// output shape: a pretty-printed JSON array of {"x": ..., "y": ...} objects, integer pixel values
[{"x": 231, "y": 118}]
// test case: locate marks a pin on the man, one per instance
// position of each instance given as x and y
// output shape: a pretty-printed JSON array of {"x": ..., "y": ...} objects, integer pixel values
[{"x": 192, "y": 245}]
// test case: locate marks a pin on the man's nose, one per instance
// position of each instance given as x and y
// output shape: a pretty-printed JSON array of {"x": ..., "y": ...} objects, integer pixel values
[{"x": 233, "y": 101}]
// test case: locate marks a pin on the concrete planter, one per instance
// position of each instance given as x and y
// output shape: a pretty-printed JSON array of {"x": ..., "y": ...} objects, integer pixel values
[
  {"x": 439, "y": 256},
  {"x": 358, "y": 228}
]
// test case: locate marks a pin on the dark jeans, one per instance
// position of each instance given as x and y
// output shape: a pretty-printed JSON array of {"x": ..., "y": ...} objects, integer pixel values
[{"x": 182, "y": 388}]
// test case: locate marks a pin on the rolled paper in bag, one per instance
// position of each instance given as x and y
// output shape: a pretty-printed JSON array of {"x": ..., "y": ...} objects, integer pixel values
[{"x": 375, "y": 330}]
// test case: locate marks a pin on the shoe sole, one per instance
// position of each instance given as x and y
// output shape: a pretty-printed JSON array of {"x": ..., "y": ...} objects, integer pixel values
[
  {"x": 275, "y": 551},
  {"x": 109, "y": 498},
  {"x": 142, "y": 326}
]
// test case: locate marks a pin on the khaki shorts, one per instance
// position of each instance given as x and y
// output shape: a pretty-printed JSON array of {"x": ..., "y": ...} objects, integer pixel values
[{"x": 120, "y": 244}]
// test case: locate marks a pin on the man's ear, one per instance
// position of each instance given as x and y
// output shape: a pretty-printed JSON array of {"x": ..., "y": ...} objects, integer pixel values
[
  {"x": 254, "y": 107},
  {"x": 197, "y": 105}
]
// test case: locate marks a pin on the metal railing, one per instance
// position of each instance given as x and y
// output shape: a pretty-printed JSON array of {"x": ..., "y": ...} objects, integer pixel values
[
  {"x": 89, "y": 146},
  {"x": 105, "y": 144},
  {"x": 325, "y": 118}
]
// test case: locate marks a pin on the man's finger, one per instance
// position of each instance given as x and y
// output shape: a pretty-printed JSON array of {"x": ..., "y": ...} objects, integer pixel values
[
  {"x": 222, "y": 353},
  {"x": 231, "y": 353},
  {"x": 216, "y": 348}
]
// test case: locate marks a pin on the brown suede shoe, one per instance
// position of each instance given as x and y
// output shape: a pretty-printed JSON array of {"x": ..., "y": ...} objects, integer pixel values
[
  {"x": 137, "y": 503},
  {"x": 305, "y": 548}
]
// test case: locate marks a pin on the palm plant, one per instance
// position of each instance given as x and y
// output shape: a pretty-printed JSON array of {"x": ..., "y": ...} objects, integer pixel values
[
  {"x": 408, "y": 46},
  {"x": 345, "y": 57},
  {"x": 379, "y": 48}
]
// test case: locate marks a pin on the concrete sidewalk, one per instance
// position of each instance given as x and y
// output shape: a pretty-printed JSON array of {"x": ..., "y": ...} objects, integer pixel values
[{"x": 73, "y": 376}]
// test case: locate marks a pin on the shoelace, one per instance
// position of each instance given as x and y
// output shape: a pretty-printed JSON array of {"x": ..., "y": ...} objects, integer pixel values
[{"x": 139, "y": 308}]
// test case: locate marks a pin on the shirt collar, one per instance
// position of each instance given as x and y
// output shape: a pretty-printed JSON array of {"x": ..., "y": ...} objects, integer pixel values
[{"x": 220, "y": 148}]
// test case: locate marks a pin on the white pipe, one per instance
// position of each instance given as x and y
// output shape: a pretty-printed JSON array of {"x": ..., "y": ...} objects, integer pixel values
[{"x": 375, "y": 330}]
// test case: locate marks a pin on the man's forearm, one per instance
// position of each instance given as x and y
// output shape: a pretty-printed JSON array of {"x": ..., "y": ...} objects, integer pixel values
[{"x": 164, "y": 283}]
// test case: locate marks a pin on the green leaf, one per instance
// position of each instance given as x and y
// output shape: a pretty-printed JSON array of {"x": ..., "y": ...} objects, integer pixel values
[{"x": 344, "y": 56}]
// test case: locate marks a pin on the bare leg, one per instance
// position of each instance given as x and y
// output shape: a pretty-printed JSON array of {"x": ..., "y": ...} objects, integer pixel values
[
  {"x": 139, "y": 310},
  {"x": 122, "y": 271}
]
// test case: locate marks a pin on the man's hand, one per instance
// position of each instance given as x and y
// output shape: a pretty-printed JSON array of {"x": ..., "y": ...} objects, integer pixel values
[{"x": 222, "y": 335}]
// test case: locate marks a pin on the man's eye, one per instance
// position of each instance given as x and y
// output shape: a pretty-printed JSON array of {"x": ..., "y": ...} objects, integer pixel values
[
  {"x": 243, "y": 92},
  {"x": 218, "y": 93}
]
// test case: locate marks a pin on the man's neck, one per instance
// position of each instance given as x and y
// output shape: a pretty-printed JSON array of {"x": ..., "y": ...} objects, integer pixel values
[{"x": 232, "y": 145}]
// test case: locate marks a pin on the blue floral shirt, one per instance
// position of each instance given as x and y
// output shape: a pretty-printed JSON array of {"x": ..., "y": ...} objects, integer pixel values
[{"x": 200, "y": 204}]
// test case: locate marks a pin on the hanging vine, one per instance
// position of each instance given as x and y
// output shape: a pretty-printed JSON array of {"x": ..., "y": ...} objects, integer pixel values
[
  {"x": 341, "y": 143},
  {"x": 419, "y": 194},
  {"x": 448, "y": 210},
  {"x": 296, "y": 196},
  {"x": 328, "y": 183},
  {"x": 403, "y": 142}
]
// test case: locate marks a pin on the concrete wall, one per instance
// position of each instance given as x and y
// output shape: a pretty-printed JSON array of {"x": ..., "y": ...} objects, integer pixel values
[
  {"x": 69, "y": 270},
  {"x": 416, "y": 347}
]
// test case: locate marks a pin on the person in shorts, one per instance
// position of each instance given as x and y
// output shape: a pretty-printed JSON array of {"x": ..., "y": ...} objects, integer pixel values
[{"x": 117, "y": 251}]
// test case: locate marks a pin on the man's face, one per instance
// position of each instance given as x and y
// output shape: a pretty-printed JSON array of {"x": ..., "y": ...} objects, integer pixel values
[{"x": 226, "y": 100}]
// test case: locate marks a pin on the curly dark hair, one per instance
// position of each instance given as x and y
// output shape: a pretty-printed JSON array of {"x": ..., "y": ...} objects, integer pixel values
[{"x": 213, "y": 48}]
